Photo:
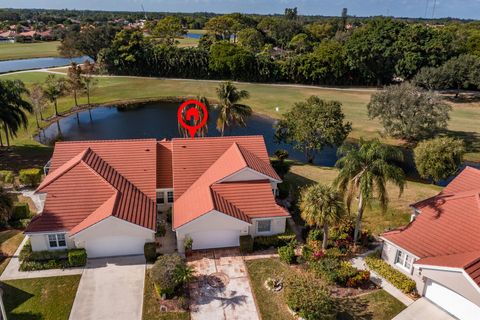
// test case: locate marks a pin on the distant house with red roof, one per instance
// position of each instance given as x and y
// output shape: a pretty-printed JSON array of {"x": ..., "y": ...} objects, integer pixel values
[
  {"x": 440, "y": 248},
  {"x": 105, "y": 196}
]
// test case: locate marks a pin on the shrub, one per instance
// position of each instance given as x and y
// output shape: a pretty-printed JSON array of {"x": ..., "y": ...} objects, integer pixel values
[
  {"x": 307, "y": 253},
  {"x": 6, "y": 176},
  {"x": 20, "y": 211},
  {"x": 77, "y": 257},
  {"x": 359, "y": 279},
  {"x": 169, "y": 215},
  {"x": 187, "y": 243},
  {"x": 19, "y": 224},
  {"x": 315, "y": 235},
  {"x": 287, "y": 253},
  {"x": 150, "y": 251},
  {"x": 327, "y": 268},
  {"x": 275, "y": 241},
  {"x": 392, "y": 275},
  {"x": 161, "y": 229},
  {"x": 44, "y": 265},
  {"x": 30, "y": 177},
  {"x": 163, "y": 273},
  {"x": 334, "y": 252},
  {"x": 307, "y": 296},
  {"x": 26, "y": 251},
  {"x": 246, "y": 244}
]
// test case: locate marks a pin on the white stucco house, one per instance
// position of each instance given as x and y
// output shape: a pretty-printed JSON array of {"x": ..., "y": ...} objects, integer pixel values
[
  {"x": 440, "y": 248},
  {"x": 104, "y": 196}
]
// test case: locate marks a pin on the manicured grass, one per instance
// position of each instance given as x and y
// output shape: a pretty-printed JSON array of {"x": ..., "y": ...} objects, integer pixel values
[
  {"x": 11, "y": 51},
  {"x": 187, "y": 42},
  {"x": 197, "y": 31},
  {"x": 41, "y": 298},
  {"x": 151, "y": 305},
  {"x": 264, "y": 99},
  {"x": 378, "y": 305},
  {"x": 398, "y": 212},
  {"x": 9, "y": 242}
]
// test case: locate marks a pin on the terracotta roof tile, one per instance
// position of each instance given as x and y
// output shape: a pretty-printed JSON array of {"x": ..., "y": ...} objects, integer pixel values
[{"x": 164, "y": 165}]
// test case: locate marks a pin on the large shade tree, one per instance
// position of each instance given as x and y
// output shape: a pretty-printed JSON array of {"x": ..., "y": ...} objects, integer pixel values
[
  {"x": 320, "y": 206},
  {"x": 230, "y": 111},
  {"x": 364, "y": 172},
  {"x": 13, "y": 107},
  {"x": 54, "y": 89},
  {"x": 312, "y": 125}
]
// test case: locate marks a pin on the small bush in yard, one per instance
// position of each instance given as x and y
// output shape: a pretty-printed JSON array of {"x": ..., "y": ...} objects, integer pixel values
[
  {"x": 6, "y": 176},
  {"x": 287, "y": 253},
  {"x": 150, "y": 251},
  {"x": 20, "y": 211},
  {"x": 163, "y": 273},
  {"x": 44, "y": 265},
  {"x": 392, "y": 275},
  {"x": 246, "y": 244},
  {"x": 275, "y": 241},
  {"x": 19, "y": 224},
  {"x": 30, "y": 177},
  {"x": 359, "y": 279},
  {"x": 307, "y": 296},
  {"x": 77, "y": 257}
]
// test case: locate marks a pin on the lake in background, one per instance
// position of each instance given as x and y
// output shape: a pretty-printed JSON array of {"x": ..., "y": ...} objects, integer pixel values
[
  {"x": 38, "y": 63},
  {"x": 159, "y": 121}
]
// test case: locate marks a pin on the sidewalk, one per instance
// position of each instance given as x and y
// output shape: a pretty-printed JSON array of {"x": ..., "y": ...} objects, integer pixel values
[
  {"x": 11, "y": 271},
  {"x": 359, "y": 263}
]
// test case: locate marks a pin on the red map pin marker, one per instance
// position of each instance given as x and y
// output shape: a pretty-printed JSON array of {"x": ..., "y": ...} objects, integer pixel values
[{"x": 192, "y": 113}]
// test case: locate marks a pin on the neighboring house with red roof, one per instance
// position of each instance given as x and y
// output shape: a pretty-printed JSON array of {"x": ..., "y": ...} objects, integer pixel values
[
  {"x": 104, "y": 196},
  {"x": 440, "y": 248}
]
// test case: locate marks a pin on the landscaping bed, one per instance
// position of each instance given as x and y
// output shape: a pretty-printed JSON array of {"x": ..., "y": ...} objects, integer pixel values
[
  {"x": 9, "y": 242},
  {"x": 43, "y": 260},
  {"x": 40, "y": 298}
]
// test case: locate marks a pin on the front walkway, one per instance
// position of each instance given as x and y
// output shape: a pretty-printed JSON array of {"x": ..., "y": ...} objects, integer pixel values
[
  {"x": 111, "y": 289},
  {"x": 359, "y": 263},
  {"x": 222, "y": 290},
  {"x": 11, "y": 271}
]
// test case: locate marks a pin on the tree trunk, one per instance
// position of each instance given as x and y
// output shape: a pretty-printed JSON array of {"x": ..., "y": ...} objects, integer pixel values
[
  {"x": 325, "y": 236},
  {"x": 56, "y": 108},
  {"x": 358, "y": 224},
  {"x": 75, "y": 97},
  {"x": 223, "y": 128},
  {"x": 36, "y": 119},
  {"x": 1, "y": 140},
  {"x": 41, "y": 116},
  {"x": 90, "y": 114},
  {"x": 58, "y": 128},
  {"x": 5, "y": 127},
  {"x": 78, "y": 118},
  {"x": 88, "y": 96}
]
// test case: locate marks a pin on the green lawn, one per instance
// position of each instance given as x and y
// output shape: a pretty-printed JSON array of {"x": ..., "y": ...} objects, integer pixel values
[
  {"x": 377, "y": 305},
  {"x": 151, "y": 305},
  {"x": 9, "y": 242},
  {"x": 398, "y": 212},
  {"x": 10, "y": 51},
  {"x": 264, "y": 99},
  {"x": 42, "y": 298}
]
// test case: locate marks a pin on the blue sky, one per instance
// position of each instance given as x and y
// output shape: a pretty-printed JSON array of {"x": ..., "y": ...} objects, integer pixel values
[{"x": 404, "y": 8}]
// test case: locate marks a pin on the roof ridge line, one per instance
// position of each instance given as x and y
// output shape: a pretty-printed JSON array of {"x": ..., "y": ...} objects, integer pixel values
[{"x": 227, "y": 201}]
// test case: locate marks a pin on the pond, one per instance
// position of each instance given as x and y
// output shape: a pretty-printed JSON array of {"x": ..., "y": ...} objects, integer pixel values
[
  {"x": 38, "y": 63},
  {"x": 159, "y": 120}
]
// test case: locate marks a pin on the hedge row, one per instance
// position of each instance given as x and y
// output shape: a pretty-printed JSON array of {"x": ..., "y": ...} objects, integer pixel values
[
  {"x": 246, "y": 244},
  {"x": 275, "y": 241},
  {"x": 30, "y": 177},
  {"x": 6, "y": 176},
  {"x": 392, "y": 275},
  {"x": 58, "y": 259}
]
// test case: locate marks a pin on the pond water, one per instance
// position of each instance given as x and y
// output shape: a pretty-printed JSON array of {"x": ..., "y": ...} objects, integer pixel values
[
  {"x": 159, "y": 121},
  {"x": 194, "y": 35},
  {"x": 38, "y": 63}
]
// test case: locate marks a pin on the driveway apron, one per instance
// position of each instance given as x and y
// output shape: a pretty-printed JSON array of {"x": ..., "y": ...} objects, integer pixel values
[{"x": 111, "y": 289}]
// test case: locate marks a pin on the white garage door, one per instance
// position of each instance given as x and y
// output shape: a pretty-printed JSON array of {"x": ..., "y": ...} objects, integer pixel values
[
  {"x": 215, "y": 239},
  {"x": 114, "y": 246},
  {"x": 451, "y": 301}
]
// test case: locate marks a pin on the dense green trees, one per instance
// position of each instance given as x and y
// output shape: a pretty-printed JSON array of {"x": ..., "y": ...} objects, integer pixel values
[
  {"x": 167, "y": 29},
  {"x": 438, "y": 159},
  {"x": 89, "y": 41},
  {"x": 410, "y": 113},
  {"x": 312, "y": 125}
]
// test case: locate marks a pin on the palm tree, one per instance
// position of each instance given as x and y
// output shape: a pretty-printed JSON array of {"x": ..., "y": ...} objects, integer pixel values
[
  {"x": 54, "y": 89},
  {"x": 230, "y": 111},
  {"x": 365, "y": 170},
  {"x": 183, "y": 274},
  {"x": 6, "y": 204},
  {"x": 13, "y": 107},
  {"x": 320, "y": 206}
]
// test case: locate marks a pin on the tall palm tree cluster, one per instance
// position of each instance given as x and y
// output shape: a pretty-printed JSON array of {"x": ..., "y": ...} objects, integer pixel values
[{"x": 364, "y": 170}]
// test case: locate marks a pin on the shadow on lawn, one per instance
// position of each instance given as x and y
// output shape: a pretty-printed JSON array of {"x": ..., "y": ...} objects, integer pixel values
[
  {"x": 21, "y": 157},
  {"x": 353, "y": 309},
  {"x": 13, "y": 298}
]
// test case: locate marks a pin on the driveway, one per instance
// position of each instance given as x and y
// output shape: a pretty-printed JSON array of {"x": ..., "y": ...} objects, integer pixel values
[
  {"x": 423, "y": 309},
  {"x": 111, "y": 289},
  {"x": 222, "y": 290}
]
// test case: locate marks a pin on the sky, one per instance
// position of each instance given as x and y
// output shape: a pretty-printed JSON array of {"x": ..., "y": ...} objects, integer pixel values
[{"x": 467, "y": 9}]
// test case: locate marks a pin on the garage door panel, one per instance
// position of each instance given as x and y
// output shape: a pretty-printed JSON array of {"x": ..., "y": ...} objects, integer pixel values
[
  {"x": 215, "y": 239},
  {"x": 114, "y": 246},
  {"x": 452, "y": 302}
]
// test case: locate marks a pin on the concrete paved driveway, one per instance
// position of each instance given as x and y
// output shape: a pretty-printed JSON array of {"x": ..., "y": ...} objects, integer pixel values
[
  {"x": 111, "y": 289},
  {"x": 423, "y": 309},
  {"x": 209, "y": 301}
]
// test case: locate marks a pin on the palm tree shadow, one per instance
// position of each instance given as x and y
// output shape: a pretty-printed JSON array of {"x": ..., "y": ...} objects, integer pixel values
[
  {"x": 206, "y": 294},
  {"x": 13, "y": 298},
  {"x": 353, "y": 309}
]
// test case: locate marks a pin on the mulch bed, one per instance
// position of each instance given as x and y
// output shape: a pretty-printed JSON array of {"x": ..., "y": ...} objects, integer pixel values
[{"x": 343, "y": 292}]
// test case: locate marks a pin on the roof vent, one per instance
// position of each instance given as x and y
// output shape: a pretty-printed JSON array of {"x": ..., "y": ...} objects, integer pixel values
[{"x": 147, "y": 150}]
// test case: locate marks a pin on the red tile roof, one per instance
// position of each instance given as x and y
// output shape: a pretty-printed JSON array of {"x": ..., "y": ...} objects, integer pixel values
[
  {"x": 164, "y": 165},
  {"x": 219, "y": 158},
  {"x": 84, "y": 189},
  {"x": 445, "y": 232}
]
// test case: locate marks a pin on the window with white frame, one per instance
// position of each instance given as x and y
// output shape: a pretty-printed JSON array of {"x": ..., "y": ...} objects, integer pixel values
[
  {"x": 160, "y": 197},
  {"x": 404, "y": 260},
  {"x": 264, "y": 226},
  {"x": 56, "y": 241},
  {"x": 170, "y": 196}
]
